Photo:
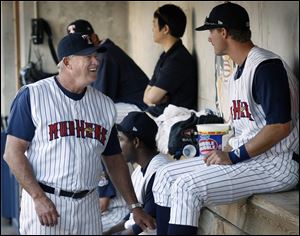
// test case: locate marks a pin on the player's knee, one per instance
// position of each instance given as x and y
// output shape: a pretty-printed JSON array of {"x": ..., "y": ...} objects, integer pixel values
[
  {"x": 162, "y": 173},
  {"x": 187, "y": 184},
  {"x": 184, "y": 190},
  {"x": 182, "y": 184}
]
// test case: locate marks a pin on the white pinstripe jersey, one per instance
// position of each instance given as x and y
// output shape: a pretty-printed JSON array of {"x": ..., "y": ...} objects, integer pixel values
[
  {"x": 140, "y": 181},
  {"x": 249, "y": 117},
  {"x": 70, "y": 135}
]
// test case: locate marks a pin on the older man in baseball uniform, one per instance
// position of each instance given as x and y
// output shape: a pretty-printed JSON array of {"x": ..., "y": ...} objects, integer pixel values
[{"x": 65, "y": 126}]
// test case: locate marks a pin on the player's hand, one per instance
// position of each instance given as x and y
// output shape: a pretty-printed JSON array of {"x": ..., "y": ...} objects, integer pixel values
[
  {"x": 46, "y": 211},
  {"x": 143, "y": 219},
  {"x": 104, "y": 203},
  {"x": 217, "y": 157}
]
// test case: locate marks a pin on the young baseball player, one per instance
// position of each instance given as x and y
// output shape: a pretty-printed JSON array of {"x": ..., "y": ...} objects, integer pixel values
[
  {"x": 264, "y": 96},
  {"x": 137, "y": 138},
  {"x": 174, "y": 80},
  {"x": 119, "y": 77},
  {"x": 65, "y": 126}
]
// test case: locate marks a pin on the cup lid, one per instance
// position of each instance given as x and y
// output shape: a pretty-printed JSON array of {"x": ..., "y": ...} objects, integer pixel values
[{"x": 212, "y": 127}]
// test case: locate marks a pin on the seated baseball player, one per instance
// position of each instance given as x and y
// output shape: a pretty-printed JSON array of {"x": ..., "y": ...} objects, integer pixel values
[
  {"x": 264, "y": 97},
  {"x": 118, "y": 77},
  {"x": 137, "y": 134}
]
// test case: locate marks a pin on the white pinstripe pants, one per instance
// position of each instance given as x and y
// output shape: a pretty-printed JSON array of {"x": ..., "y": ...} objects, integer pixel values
[
  {"x": 77, "y": 216},
  {"x": 188, "y": 185},
  {"x": 117, "y": 211}
]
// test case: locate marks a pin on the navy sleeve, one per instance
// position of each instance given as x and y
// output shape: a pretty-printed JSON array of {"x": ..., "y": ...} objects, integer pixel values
[
  {"x": 113, "y": 146},
  {"x": 20, "y": 122},
  {"x": 271, "y": 90},
  {"x": 107, "y": 190},
  {"x": 149, "y": 205}
]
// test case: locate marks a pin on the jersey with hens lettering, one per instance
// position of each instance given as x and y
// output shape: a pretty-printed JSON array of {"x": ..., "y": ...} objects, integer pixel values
[
  {"x": 244, "y": 108},
  {"x": 70, "y": 135}
]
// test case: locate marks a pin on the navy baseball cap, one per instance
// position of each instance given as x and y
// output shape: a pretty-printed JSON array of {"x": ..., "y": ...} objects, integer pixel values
[
  {"x": 227, "y": 15},
  {"x": 80, "y": 26},
  {"x": 76, "y": 44},
  {"x": 139, "y": 124}
]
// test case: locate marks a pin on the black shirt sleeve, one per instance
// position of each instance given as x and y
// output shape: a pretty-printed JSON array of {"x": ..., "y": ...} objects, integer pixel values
[
  {"x": 171, "y": 75},
  {"x": 271, "y": 90}
]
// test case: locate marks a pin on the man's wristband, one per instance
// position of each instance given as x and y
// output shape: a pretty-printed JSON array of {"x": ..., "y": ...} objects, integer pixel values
[
  {"x": 239, "y": 155},
  {"x": 135, "y": 205}
]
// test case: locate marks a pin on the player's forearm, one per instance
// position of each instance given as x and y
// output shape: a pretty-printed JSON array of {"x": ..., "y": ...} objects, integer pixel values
[
  {"x": 119, "y": 174},
  {"x": 267, "y": 138},
  {"x": 24, "y": 175},
  {"x": 22, "y": 170}
]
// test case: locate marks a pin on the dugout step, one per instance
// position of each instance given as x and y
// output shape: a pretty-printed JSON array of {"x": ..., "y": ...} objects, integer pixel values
[{"x": 261, "y": 214}]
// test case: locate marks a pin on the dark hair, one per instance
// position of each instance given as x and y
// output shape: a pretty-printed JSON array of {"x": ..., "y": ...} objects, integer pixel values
[
  {"x": 174, "y": 17},
  {"x": 240, "y": 35}
]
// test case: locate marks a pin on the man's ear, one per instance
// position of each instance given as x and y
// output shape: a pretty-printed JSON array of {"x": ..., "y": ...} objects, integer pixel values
[
  {"x": 136, "y": 142},
  {"x": 66, "y": 61},
  {"x": 224, "y": 33},
  {"x": 166, "y": 29}
]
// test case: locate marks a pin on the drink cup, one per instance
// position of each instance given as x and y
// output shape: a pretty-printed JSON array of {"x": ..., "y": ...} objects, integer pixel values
[{"x": 210, "y": 137}]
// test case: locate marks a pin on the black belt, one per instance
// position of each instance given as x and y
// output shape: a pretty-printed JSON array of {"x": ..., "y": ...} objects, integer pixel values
[{"x": 75, "y": 195}]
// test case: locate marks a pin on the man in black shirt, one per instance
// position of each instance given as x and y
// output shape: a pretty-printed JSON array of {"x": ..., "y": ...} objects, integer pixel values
[{"x": 174, "y": 80}]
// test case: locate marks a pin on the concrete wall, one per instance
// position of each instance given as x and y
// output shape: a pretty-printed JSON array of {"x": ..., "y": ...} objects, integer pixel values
[
  {"x": 8, "y": 71},
  {"x": 109, "y": 19},
  {"x": 274, "y": 25}
]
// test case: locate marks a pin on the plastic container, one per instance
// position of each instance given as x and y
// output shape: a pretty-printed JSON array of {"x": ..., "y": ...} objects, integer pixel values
[
  {"x": 210, "y": 137},
  {"x": 189, "y": 151}
]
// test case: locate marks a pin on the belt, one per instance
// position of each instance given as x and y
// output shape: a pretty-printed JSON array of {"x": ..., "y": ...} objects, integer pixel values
[{"x": 60, "y": 192}]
